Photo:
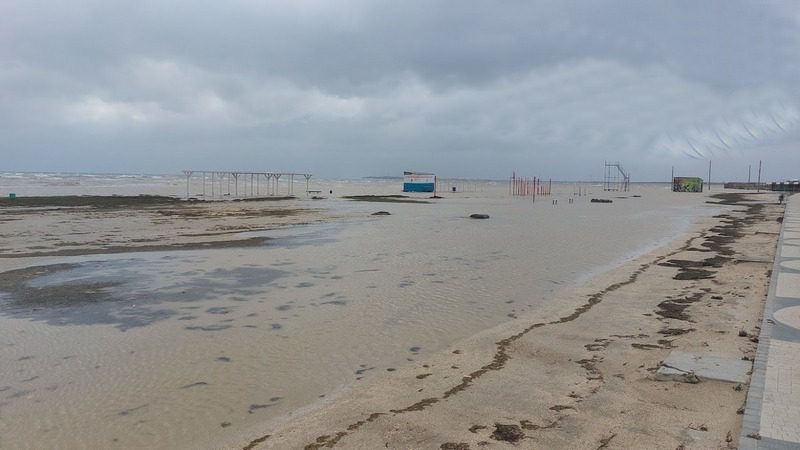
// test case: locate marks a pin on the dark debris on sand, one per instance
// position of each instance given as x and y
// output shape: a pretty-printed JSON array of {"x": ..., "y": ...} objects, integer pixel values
[{"x": 507, "y": 433}]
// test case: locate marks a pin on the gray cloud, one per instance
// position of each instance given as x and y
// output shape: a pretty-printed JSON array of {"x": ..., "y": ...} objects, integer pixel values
[{"x": 359, "y": 88}]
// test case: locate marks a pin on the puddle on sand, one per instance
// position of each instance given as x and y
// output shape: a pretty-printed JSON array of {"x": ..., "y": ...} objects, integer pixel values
[{"x": 124, "y": 293}]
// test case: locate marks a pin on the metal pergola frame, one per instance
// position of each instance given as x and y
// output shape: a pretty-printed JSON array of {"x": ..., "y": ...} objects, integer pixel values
[{"x": 220, "y": 183}]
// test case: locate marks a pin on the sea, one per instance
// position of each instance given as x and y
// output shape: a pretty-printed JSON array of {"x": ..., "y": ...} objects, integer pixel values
[{"x": 191, "y": 348}]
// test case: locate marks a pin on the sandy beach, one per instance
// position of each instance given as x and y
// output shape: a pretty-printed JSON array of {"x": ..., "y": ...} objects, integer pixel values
[
  {"x": 578, "y": 373},
  {"x": 291, "y": 323}
]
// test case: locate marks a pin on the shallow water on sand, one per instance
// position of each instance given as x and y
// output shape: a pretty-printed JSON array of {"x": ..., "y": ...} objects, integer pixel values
[{"x": 181, "y": 349}]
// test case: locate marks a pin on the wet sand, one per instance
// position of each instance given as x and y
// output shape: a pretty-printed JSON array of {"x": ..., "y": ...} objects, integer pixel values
[
  {"x": 82, "y": 225},
  {"x": 238, "y": 325},
  {"x": 578, "y": 372}
]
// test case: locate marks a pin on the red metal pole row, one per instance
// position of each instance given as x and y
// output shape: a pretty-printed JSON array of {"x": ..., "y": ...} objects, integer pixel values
[{"x": 523, "y": 187}]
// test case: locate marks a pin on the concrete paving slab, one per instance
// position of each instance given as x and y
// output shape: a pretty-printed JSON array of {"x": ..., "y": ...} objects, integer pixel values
[
  {"x": 781, "y": 402},
  {"x": 679, "y": 364},
  {"x": 791, "y": 264},
  {"x": 790, "y": 251},
  {"x": 788, "y": 316},
  {"x": 788, "y": 285}
]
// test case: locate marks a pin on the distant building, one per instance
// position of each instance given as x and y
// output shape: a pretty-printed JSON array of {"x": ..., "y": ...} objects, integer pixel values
[
  {"x": 419, "y": 182},
  {"x": 786, "y": 186},
  {"x": 687, "y": 184}
]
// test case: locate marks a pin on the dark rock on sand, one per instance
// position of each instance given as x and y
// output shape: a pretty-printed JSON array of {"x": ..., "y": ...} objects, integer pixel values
[
  {"x": 600, "y": 200},
  {"x": 478, "y": 216},
  {"x": 381, "y": 213}
]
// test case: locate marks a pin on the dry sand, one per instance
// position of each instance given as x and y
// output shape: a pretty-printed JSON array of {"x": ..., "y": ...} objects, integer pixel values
[{"x": 578, "y": 372}]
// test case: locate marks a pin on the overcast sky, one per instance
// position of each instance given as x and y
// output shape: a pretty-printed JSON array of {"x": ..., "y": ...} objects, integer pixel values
[{"x": 356, "y": 88}]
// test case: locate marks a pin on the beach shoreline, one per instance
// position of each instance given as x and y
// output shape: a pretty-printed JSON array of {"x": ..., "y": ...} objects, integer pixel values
[
  {"x": 578, "y": 372},
  {"x": 36, "y": 227}
]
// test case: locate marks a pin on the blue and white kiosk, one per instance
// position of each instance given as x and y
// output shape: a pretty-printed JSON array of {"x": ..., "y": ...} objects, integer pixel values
[{"x": 419, "y": 182}]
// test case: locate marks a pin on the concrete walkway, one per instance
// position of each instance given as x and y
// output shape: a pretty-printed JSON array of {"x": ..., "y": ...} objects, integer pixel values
[{"x": 772, "y": 413}]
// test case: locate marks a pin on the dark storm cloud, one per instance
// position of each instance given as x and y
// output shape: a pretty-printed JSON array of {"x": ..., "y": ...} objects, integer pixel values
[{"x": 355, "y": 88}]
